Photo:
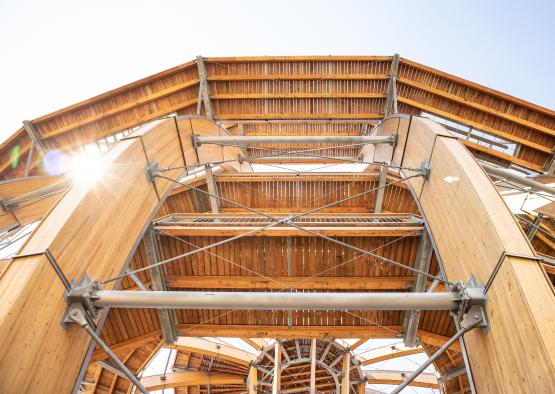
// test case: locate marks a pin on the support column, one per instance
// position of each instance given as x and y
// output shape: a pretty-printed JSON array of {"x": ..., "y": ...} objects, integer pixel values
[
  {"x": 35, "y": 137},
  {"x": 214, "y": 202},
  {"x": 313, "y": 366},
  {"x": 252, "y": 380},
  {"x": 534, "y": 228},
  {"x": 204, "y": 93},
  {"x": 423, "y": 259},
  {"x": 346, "y": 381},
  {"x": 391, "y": 100},
  {"x": 167, "y": 319},
  {"x": 276, "y": 385},
  {"x": 380, "y": 193}
]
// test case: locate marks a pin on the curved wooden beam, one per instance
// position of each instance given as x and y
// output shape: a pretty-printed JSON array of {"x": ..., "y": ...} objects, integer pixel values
[
  {"x": 210, "y": 348},
  {"x": 397, "y": 377},
  {"x": 191, "y": 378},
  {"x": 473, "y": 229},
  {"x": 387, "y": 353},
  {"x": 93, "y": 229}
]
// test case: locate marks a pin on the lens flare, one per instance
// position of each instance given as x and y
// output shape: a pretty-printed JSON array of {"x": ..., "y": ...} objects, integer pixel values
[{"x": 87, "y": 168}]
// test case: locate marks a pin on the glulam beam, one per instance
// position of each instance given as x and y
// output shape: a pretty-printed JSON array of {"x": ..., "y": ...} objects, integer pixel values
[{"x": 459, "y": 188}]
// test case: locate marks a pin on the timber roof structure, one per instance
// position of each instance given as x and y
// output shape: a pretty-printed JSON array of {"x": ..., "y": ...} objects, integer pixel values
[{"x": 303, "y": 206}]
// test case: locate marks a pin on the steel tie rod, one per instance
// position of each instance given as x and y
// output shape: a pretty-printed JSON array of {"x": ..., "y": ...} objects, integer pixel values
[
  {"x": 282, "y": 301},
  {"x": 294, "y": 139}
]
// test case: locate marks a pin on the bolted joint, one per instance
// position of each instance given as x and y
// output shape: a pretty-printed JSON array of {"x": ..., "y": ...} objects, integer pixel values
[
  {"x": 472, "y": 303},
  {"x": 425, "y": 169},
  {"x": 81, "y": 301},
  {"x": 8, "y": 205},
  {"x": 152, "y": 170},
  {"x": 394, "y": 138},
  {"x": 196, "y": 141}
]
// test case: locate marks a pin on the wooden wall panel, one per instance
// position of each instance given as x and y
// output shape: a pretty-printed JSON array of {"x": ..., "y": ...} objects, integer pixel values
[
  {"x": 472, "y": 226},
  {"x": 92, "y": 229}
]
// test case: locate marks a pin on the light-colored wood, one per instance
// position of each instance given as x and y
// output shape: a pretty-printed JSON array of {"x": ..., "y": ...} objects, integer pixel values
[
  {"x": 252, "y": 380},
  {"x": 313, "y": 366},
  {"x": 358, "y": 343},
  {"x": 220, "y": 350},
  {"x": 257, "y": 343},
  {"x": 395, "y": 377},
  {"x": 281, "y": 282},
  {"x": 190, "y": 378},
  {"x": 346, "y": 369},
  {"x": 332, "y": 231},
  {"x": 459, "y": 188},
  {"x": 85, "y": 232},
  {"x": 276, "y": 382},
  {"x": 32, "y": 209},
  {"x": 386, "y": 353}
]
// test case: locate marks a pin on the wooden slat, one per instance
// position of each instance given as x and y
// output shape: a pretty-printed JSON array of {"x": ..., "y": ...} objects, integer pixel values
[{"x": 280, "y": 282}]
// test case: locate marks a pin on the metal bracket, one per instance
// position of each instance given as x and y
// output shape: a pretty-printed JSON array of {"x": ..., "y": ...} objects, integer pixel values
[
  {"x": 394, "y": 138},
  {"x": 426, "y": 169},
  {"x": 473, "y": 300},
  {"x": 152, "y": 170},
  {"x": 196, "y": 142},
  {"x": 8, "y": 206},
  {"x": 80, "y": 296}
]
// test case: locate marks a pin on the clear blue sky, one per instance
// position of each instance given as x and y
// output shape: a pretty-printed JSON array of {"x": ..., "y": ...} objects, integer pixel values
[{"x": 55, "y": 53}]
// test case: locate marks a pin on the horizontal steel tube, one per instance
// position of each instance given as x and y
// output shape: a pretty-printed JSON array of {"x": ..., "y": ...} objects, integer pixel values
[
  {"x": 294, "y": 139},
  {"x": 275, "y": 301},
  {"x": 519, "y": 180}
]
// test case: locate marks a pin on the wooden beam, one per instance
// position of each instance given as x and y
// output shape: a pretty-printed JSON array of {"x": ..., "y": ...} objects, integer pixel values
[
  {"x": 276, "y": 382},
  {"x": 459, "y": 188},
  {"x": 126, "y": 346},
  {"x": 302, "y": 115},
  {"x": 280, "y": 282},
  {"x": 191, "y": 378},
  {"x": 300, "y": 332},
  {"x": 220, "y": 350},
  {"x": 298, "y": 77},
  {"x": 358, "y": 343},
  {"x": 386, "y": 353},
  {"x": 293, "y": 95},
  {"x": 257, "y": 343},
  {"x": 397, "y": 377},
  {"x": 313, "y": 366},
  {"x": 423, "y": 260},
  {"x": 252, "y": 380},
  {"x": 332, "y": 231},
  {"x": 346, "y": 368},
  {"x": 476, "y": 125},
  {"x": 480, "y": 107},
  {"x": 84, "y": 232}
]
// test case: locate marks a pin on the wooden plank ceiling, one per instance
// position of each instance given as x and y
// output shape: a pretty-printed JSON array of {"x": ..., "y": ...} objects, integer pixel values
[{"x": 270, "y": 95}]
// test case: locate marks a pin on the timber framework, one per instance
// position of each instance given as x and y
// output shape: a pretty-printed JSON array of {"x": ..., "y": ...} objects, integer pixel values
[{"x": 262, "y": 220}]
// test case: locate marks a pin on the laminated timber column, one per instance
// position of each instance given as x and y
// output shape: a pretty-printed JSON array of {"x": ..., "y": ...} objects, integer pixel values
[
  {"x": 473, "y": 230},
  {"x": 346, "y": 380},
  {"x": 276, "y": 385},
  {"x": 94, "y": 228}
]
